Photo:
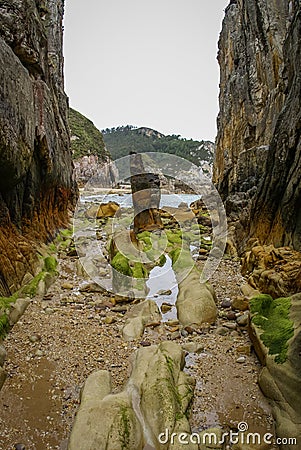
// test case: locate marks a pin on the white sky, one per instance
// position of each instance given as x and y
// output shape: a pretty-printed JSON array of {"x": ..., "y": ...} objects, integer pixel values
[{"x": 145, "y": 62}]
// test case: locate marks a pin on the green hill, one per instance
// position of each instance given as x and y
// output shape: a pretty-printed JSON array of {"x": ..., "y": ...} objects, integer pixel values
[
  {"x": 122, "y": 140},
  {"x": 86, "y": 139}
]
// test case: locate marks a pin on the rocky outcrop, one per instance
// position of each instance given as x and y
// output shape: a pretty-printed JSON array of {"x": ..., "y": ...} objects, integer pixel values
[
  {"x": 258, "y": 151},
  {"x": 280, "y": 382},
  {"x": 36, "y": 181},
  {"x": 275, "y": 271},
  {"x": 153, "y": 404},
  {"x": 195, "y": 302},
  {"x": 146, "y": 196}
]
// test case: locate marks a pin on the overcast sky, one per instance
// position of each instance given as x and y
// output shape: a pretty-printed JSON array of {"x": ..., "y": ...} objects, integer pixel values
[{"x": 146, "y": 63}]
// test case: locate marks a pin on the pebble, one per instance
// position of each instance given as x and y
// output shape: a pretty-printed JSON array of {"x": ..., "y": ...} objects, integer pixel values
[
  {"x": 175, "y": 335},
  {"x": 68, "y": 286},
  {"x": 109, "y": 320},
  {"x": 165, "y": 307},
  {"x": 2, "y": 355},
  {"x": 120, "y": 309},
  {"x": 231, "y": 315},
  {"x": 193, "y": 347},
  {"x": 226, "y": 303},
  {"x": 230, "y": 325},
  {"x": 19, "y": 447},
  {"x": 244, "y": 349},
  {"x": 39, "y": 353},
  {"x": 49, "y": 311},
  {"x": 145, "y": 343},
  {"x": 34, "y": 338},
  {"x": 222, "y": 331},
  {"x": 240, "y": 304},
  {"x": 241, "y": 359},
  {"x": 164, "y": 292},
  {"x": 243, "y": 320}
]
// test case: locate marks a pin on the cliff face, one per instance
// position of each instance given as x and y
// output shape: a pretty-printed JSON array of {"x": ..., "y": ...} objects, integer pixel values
[
  {"x": 258, "y": 151},
  {"x": 36, "y": 185}
]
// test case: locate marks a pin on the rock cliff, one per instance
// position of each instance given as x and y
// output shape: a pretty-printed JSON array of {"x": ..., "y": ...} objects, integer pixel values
[
  {"x": 89, "y": 152},
  {"x": 258, "y": 151},
  {"x": 36, "y": 181}
]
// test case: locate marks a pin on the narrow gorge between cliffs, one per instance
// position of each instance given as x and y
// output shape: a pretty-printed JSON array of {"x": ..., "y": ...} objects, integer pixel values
[{"x": 150, "y": 285}]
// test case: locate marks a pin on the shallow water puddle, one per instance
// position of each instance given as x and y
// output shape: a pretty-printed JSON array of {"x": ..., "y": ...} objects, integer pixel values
[
  {"x": 163, "y": 279},
  {"x": 32, "y": 408}
]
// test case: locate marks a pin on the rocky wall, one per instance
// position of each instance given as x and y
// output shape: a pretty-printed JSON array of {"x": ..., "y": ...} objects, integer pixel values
[
  {"x": 258, "y": 156},
  {"x": 36, "y": 171}
]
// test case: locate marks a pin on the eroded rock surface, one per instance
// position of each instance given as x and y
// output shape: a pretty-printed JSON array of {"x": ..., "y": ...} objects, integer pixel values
[
  {"x": 257, "y": 161},
  {"x": 281, "y": 382},
  {"x": 155, "y": 399},
  {"x": 36, "y": 184}
]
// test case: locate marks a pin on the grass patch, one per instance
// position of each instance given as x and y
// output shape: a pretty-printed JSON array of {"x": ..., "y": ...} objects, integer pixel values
[{"x": 272, "y": 316}]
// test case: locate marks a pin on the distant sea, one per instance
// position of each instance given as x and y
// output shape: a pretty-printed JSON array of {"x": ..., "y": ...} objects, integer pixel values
[{"x": 125, "y": 200}]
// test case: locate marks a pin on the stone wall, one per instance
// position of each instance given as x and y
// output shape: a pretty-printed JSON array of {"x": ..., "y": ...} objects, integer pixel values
[{"x": 36, "y": 171}]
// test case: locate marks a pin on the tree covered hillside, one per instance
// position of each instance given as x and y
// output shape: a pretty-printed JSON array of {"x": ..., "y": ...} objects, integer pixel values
[
  {"x": 86, "y": 139},
  {"x": 124, "y": 139}
]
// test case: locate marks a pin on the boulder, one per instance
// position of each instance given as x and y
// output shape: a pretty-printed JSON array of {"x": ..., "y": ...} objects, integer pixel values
[
  {"x": 195, "y": 302},
  {"x": 17, "y": 310},
  {"x": 153, "y": 403},
  {"x": 2, "y": 355},
  {"x": 107, "y": 210},
  {"x": 138, "y": 317}
]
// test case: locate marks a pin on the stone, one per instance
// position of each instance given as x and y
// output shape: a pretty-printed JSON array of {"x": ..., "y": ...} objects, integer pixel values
[
  {"x": 244, "y": 349},
  {"x": 226, "y": 303},
  {"x": 17, "y": 310},
  {"x": 19, "y": 447},
  {"x": 230, "y": 325},
  {"x": 37, "y": 188},
  {"x": 195, "y": 302},
  {"x": 231, "y": 315},
  {"x": 243, "y": 320},
  {"x": 248, "y": 291},
  {"x": 174, "y": 335},
  {"x": 134, "y": 418},
  {"x": 3, "y": 376},
  {"x": 222, "y": 331},
  {"x": 281, "y": 382},
  {"x": 109, "y": 320},
  {"x": 3, "y": 354},
  {"x": 274, "y": 271},
  {"x": 241, "y": 360},
  {"x": 139, "y": 316},
  {"x": 193, "y": 347},
  {"x": 34, "y": 338},
  {"x": 107, "y": 210},
  {"x": 164, "y": 292},
  {"x": 240, "y": 304}
]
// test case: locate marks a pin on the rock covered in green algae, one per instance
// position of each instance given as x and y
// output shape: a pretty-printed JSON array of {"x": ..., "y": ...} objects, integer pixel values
[{"x": 155, "y": 399}]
